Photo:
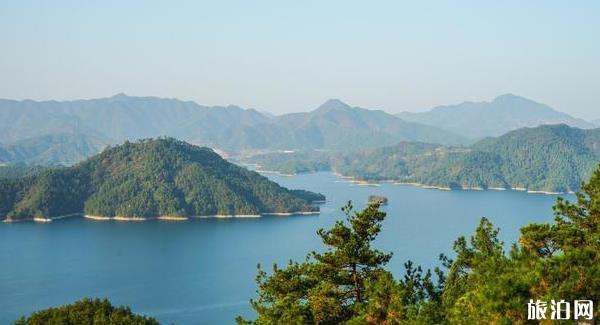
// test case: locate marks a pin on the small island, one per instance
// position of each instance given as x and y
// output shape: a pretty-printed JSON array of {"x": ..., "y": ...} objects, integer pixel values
[
  {"x": 164, "y": 179},
  {"x": 377, "y": 199}
]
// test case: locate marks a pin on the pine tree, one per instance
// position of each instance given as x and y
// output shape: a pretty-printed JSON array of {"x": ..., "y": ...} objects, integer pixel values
[{"x": 329, "y": 287}]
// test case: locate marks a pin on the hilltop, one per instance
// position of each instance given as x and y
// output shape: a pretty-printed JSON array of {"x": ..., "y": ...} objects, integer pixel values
[
  {"x": 148, "y": 179},
  {"x": 504, "y": 113}
]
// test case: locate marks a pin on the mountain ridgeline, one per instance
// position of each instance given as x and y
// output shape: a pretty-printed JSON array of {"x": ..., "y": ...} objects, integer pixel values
[
  {"x": 550, "y": 158},
  {"x": 333, "y": 125},
  {"x": 147, "y": 179},
  {"x": 505, "y": 113},
  {"x": 66, "y": 132}
]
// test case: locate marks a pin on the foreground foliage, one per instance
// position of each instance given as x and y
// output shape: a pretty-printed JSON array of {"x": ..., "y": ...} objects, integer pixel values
[
  {"x": 482, "y": 285},
  {"x": 88, "y": 312}
]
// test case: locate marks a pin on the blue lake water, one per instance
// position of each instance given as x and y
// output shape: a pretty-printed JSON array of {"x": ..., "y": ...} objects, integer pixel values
[{"x": 202, "y": 271}]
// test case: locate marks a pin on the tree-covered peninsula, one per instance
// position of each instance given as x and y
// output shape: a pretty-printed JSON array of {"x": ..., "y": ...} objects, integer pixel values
[
  {"x": 147, "y": 179},
  {"x": 550, "y": 158}
]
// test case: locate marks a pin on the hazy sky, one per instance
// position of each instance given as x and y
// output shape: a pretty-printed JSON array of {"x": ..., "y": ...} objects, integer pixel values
[{"x": 283, "y": 56}]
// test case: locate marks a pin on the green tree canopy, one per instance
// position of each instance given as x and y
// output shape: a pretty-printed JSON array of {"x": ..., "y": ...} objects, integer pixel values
[
  {"x": 347, "y": 282},
  {"x": 89, "y": 312},
  {"x": 483, "y": 284}
]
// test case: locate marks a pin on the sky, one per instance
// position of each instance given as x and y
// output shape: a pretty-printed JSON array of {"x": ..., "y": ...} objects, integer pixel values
[{"x": 288, "y": 56}]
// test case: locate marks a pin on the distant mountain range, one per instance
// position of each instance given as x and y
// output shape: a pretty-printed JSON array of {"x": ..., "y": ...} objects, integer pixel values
[
  {"x": 52, "y": 149},
  {"x": 121, "y": 117},
  {"x": 551, "y": 158},
  {"x": 481, "y": 119},
  {"x": 65, "y": 132},
  {"x": 336, "y": 125},
  {"x": 161, "y": 178}
]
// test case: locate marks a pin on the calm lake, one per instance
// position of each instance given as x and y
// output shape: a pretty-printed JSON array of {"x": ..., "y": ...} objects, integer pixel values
[{"x": 202, "y": 271}]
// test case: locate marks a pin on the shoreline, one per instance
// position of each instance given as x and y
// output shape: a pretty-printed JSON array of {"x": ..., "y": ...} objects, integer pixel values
[
  {"x": 429, "y": 187},
  {"x": 482, "y": 189},
  {"x": 353, "y": 180},
  {"x": 227, "y": 216},
  {"x": 546, "y": 192},
  {"x": 43, "y": 219},
  {"x": 260, "y": 171},
  {"x": 376, "y": 183},
  {"x": 160, "y": 218},
  {"x": 297, "y": 213}
]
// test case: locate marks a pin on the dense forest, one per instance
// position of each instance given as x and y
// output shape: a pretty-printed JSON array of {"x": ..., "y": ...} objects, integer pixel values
[
  {"x": 554, "y": 158},
  {"x": 149, "y": 178},
  {"x": 19, "y": 170},
  {"x": 481, "y": 284},
  {"x": 86, "y": 311}
]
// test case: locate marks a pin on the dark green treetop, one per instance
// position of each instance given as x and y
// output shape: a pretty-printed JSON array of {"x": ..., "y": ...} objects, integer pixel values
[{"x": 86, "y": 311}]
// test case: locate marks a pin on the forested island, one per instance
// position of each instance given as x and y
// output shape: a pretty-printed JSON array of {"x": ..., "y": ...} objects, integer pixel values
[
  {"x": 549, "y": 158},
  {"x": 153, "y": 178}
]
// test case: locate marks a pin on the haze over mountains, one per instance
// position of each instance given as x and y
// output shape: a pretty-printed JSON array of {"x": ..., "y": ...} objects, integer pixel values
[
  {"x": 336, "y": 125},
  {"x": 64, "y": 132},
  {"x": 112, "y": 120},
  {"x": 52, "y": 149},
  {"x": 122, "y": 117},
  {"x": 481, "y": 119}
]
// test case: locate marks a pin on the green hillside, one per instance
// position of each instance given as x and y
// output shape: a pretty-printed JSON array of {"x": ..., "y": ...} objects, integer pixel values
[
  {"x": 149, "y": 178},
  {"x": 552, "y": 158}
]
